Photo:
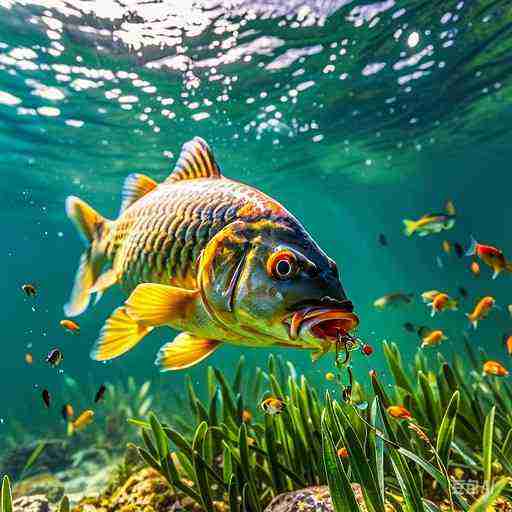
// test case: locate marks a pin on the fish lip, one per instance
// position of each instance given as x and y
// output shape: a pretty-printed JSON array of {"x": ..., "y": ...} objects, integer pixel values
[{"x": 310, "y": 317}]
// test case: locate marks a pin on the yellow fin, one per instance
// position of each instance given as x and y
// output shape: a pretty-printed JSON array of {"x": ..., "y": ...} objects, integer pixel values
[
  {"x": 85, "y": 276},
  {"x": 87, "y": 221},
  {"x": 135, "y": 186},
  {"x": 89, "y": 225},
  {"x": 196, "y": 161},
  {"x": 185, "y": 351},
  {"x": 159, "y": 304},
  {"x": 106, "y": 280},
  {"x": 410, "y": 227},
  {"x": 119, "y": 334}
]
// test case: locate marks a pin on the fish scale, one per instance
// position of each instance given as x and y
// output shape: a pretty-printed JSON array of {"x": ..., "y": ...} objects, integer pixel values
[{"x": 160, "y": 237}]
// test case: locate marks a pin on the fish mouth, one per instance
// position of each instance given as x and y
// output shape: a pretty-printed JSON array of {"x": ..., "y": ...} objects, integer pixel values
[{"x": 330, "y": 320}]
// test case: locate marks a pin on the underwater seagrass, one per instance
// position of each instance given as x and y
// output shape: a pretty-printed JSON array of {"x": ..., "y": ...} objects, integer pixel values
[
  {"x": 453, "y": 453},
  {"x": 212, "y": 257}
]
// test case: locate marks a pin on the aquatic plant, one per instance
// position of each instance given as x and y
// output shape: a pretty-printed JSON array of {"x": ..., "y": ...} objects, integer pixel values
[
  {"x": 415, "y": 465},
  {"x": 6, "y": 502}
]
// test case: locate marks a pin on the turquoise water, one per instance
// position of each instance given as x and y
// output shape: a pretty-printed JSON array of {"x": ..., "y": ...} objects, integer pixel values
[{"x": 353, "y": 116}]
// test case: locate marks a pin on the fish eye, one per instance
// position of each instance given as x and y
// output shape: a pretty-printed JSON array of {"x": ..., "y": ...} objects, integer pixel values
[{"x": 282, "y": 265}]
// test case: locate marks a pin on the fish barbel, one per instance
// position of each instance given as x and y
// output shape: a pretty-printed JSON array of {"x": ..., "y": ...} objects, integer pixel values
[{"x": 209, "y": 256}]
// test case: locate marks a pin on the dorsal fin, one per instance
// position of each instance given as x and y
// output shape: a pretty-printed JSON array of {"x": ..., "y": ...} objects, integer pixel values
[
  {"x": 135, "y": 186},
  {"x": 196, "y": 161}
]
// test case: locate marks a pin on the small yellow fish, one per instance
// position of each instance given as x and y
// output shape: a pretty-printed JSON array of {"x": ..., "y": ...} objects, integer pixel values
[
  {"x": 273, "y": 405},
  {"x": 29, "y": 358},
  {"x": 494, "y": 368},
  {"x": 246, "y": 416},
  {"x": 393, "y": 299},
  {"x": 431, "y": 223},
  {"x": 81, "y": 422},
  {"x": 447, "y": 246},
  {"x": 399, "y": 412},
  {"x": 67, "y": 411},
  {"x": 70, "y": 326},
  {"x": 481, "y": 310},
  {"x": 330, "y": 376}
]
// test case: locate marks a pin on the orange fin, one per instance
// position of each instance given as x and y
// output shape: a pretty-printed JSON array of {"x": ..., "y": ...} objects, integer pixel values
[
  {"x": 119, "y": 334},
  {"x": 185, "y": 351},
  {"x": 196, "y": 161},
  {"x": 86, "y": 220},
  {"x": 135, "y": 186},
  {"x": 159, "y": 304}
]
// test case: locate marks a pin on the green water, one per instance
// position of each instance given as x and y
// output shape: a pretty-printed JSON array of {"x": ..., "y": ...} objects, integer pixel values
[{"x": 353, "y": 116}]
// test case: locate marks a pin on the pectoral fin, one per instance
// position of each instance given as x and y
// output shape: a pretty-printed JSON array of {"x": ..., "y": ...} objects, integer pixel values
[
  {"x": 185, "y": 351},
  {"x": 119, "y": 334},
  {"x": 159, "y": 304}
]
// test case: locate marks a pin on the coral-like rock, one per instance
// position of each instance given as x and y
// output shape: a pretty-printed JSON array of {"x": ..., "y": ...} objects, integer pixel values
[
  {"x": 312, "y": 499},
  {"x": 44, "y": 484},
  {"x": 36, "y": 503}
]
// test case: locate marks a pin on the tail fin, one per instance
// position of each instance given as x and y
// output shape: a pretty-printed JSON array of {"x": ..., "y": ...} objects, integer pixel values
[
  {"x": 472, "y": 247},
  {"x": 410, "y": 227},
  {"x": 89, "y": 225}
]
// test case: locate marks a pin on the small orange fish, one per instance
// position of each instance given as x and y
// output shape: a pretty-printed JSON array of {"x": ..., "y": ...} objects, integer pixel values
[
  {"x": 447, "y": 246},
  {"x": 439, "y": 301},
  {"x": 343, "y": 453},
  {"x": 475, "y": 268},
  {"x": 273, "y": 405},
  {"x": 481, "y": 310},
  {"x": 491, "y": 256},
  {"x": 367, "y": 350},
  {"x": 431, "y": 337},
  {"x": 399, "y": 412},
  {"x": 494, "y": 368},
  {"x": 70, "y": 326},
  {"x": 507, "y": 340},
  {"x": 82, "y": 421},
  {"x": 29, "y": 358},
  {"x": 29, "y": 290},
  {"x": 246, "y": 416}
]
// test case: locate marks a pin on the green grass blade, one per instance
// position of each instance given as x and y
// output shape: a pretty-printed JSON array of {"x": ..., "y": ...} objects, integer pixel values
[
  {"x": 487, "y": 500},
  {"x": 238, "y": 380},
  {"x": 6, "y": 503},
  {"x": 161, "y": 440},
  {"x": 200, "y": 466},
  {"x": 233, "y": 495},
  {"x": 342, "y": 495},
  {"x": 64, "y": 504},
  {"x": 33, "y": 457},
  {"x": 248, "y": 469},
  {"x": 447, "y": 429},
  {"x": 487, "y": 447}
]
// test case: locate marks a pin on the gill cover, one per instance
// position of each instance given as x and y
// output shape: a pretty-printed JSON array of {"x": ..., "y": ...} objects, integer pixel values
[{"x": 221, "y": 265}]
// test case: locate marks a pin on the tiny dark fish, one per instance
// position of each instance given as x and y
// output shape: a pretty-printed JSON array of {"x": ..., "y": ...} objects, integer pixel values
[
  {"x": 463, "y": 292},
  {"x": 46, "y": 398},
  {"x": 29, "y": 290},
  {"x": 383, "y": 240},
  {"x": 408, "y": 326},
  {"x": 100, "y": 393},
  {"x": 54, "y": 357},
  {"x": 459, "y": 250}
]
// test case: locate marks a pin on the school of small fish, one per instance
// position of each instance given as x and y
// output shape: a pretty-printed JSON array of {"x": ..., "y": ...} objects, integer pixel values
[{"x": 438, "y": 301}]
